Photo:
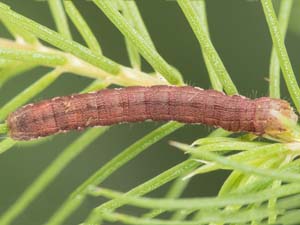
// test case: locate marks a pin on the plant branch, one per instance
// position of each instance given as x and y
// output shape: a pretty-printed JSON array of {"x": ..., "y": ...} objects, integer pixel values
[
  {"x": 50, "y": 173},
  {"x": 60, "y": 18},
  {"x": 157, "y": 62},
  {"x": 281, "y": 51},
  {"x": 79, "y": 195},
  {"x": 274, "y": 70},
  {"x": 82, "y": 27},
  {"x": 207, "y": 47}
]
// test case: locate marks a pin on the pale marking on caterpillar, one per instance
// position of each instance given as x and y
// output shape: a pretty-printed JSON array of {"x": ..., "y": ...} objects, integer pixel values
[{"x": 157, "y": 103}]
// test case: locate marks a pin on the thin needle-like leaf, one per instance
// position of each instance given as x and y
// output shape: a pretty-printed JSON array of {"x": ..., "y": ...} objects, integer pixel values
[
  {"x": 33, "y": 57},
  {"x": 157, "y": 62},
  {"x": 134, "y": 56},
  {"x": 79, "y": 195},
  {"x": 60, "y": 41},
  {"x": 14, "y": 70},
  {"x": 29, "y": 93},
  {"x": 137, "y": 20},
  {"x": 50, "y": 173},
  {"x": 281, "y": 51},
  {"x": 144, "y": 188},
  {"x": 207, "y": 46},
  {"x": 6, "y": 144},
  {"x": 274, "y": 70},
  {"x": 199, "y": 203},
  {"x": 96, "y": 86},
  {"x": 200, "y": 8},
  {"x": 180, "y": 183},
  {"x": 212, "y": 217},
  {"x": 209, "y": 156},
  {"x": 20, "y": 34},
  {"x": 60, "y": 18},
  {"x": 82, "y": 27}
]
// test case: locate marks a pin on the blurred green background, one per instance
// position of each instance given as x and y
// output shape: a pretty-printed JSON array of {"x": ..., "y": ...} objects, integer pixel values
[{"x": 240, "y": 35}]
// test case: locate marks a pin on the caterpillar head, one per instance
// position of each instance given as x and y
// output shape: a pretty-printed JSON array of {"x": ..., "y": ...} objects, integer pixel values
[{"x": 276, "y": 119}]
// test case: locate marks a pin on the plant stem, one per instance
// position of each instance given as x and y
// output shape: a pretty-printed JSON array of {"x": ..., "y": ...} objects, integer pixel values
[
  {"x": 82, "y": 27},
  {"x": 274, "y": 70},
  {"x": 60, "y": 41},
  {"x": 50, "y": 173},
  {"x": 144, "y": 188},
  {"x": 60, "y": 18},
  {"x": 133, "y": 53},
  {"x": 200, "y": 9},
  {"x": 29, "y": 92},
  {"x": 33, "y": 57},
  {"x": 146, "y": 50},
  {"x": 6, "y": 144},
  {"x": 16, "y": 69},
  {"x": 241, "y": 217},
  {"x": 273, "y": 174},
  {"x": 281, "y": 51},
  {"x": 79, "y": 195},
  {"x": 207, "y": 47},
  {"x": 268, "y": 151},
  {"x": 137, "y": 20},
  {"x": 199, "y": 203},
  {"x": 126, "y": 76}
]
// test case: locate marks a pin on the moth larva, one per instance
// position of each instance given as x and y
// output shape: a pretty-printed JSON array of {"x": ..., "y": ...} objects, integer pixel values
[{"x": 158, "y": 103}]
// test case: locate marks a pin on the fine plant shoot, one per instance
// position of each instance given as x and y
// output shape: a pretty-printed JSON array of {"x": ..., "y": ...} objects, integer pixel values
[{"x": 251, "y": 143}]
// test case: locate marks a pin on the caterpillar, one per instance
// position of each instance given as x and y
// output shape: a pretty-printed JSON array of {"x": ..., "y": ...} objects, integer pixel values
[{"x": 184, "y": 104}]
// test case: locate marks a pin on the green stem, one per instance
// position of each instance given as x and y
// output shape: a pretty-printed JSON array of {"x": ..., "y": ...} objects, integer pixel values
[
  {"x": 50, "y": 173},
  {"x": 137, "y": 20},
  {"x": 96, "y": 86},
  {"x": 144, "y": 188},
  {"x": 290, "y": 217},
  {"x": 207, "y": 46},
  {"x": 3, "y": 128},
  {"x": 199, "y": 203},
  {"x": 12, "y": 71},
  {"x": 180, "y": 183},
  {"x": 200, "y": 9},
  {"x": 6, "y": 144},
  {"x": 268, "y": 151},
  {"x": 180, "y": 215},
  {"x": 133, "y": 54},
  {"x": 241, "y": 217},
  {"x": 60, "y": 41},
  {"x": 274, "y": 70},
  {"x": 223, "y": 161},
  {"x": 175, "y": 191},
  {"x": 289, "y": 202},
  {"x": 281, "y": 51},
  {"x": 29, "y": 93},
  {"x": 79, "y": 195},
  {"x": 239, "y": 181},
  {"x": 33, "y": 57},
  {"x": 60, "y": 18},
  {"x": 19, "y": 33},
  {"x": 146, "y": 50},
  {"x": 82, "y": 27},
  {"x": 126, "y": 76},
  {"x": 230, "y": 146}
]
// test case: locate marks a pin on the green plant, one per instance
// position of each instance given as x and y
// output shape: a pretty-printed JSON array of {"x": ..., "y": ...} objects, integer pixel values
[{"x": 263, "y": 186}]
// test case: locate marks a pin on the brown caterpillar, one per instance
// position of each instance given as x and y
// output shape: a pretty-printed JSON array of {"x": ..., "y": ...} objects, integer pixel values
[{"x": 158, "y": 103}]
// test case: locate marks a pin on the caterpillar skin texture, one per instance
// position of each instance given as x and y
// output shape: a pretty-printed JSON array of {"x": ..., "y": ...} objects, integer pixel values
[{"x": 158, "y": 103}]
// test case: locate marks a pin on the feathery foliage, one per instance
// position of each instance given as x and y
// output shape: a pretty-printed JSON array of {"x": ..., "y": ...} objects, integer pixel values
[{"x": 264, "y": 184}]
